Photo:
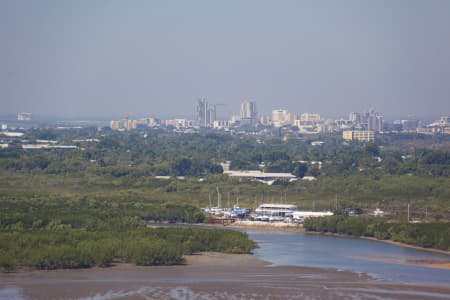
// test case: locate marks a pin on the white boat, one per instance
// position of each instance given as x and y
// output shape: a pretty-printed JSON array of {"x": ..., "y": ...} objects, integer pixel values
[
  {"x": 301, "y": 215},
  {"x": 378, "y": 212}
]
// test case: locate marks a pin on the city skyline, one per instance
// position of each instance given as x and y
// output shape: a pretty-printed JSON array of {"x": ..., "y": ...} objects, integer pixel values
[
  {"x": 211, "y": 113},
  {"x": 105, "y": 58}
]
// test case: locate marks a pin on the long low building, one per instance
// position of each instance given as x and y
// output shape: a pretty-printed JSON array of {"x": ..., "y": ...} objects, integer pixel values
[
  {"x": 279, "y": 210},
  {"x": 47, "y": 146},
  {"x": 259, "y": 175}
]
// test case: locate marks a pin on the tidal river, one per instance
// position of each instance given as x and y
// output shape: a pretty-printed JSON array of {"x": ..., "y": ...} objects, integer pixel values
[{"x": 387, "y": 263}]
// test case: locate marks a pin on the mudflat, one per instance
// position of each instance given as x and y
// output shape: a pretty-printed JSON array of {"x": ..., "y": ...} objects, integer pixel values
[{"x": 207, "y": 276}]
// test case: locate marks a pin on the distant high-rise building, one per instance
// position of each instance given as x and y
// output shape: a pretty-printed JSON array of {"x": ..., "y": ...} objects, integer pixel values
[
  {"x": 24, "y": 116},
  {"x": 114, "y": 124},
  {"x": 212, "y": 115},
  {"x": 410, "y": 124},
  {"x": 202, "y": 107},
  {"x": 206, "y": 114},
  {"x": 124, "y": 124},
  {"x": 309, "y": 117},
  {"x": 265, "y": 120},
  {"x": 248, "y": 112},
  {"x": 281, "y": 117},
  {"x": 375, "y": 123},
  {"x": 370, "y": 120},
  {"x": 355, "y": 117}
]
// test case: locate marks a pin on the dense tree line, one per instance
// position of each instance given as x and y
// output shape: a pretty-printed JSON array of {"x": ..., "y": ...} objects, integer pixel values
[
  {"x": 63, "y": 247},
  {"x": 428, "y": 235},
  {"x": 49, "y": 232},
  {"x": 76, "y": 230},
  {"x": 157, "y": 152}
]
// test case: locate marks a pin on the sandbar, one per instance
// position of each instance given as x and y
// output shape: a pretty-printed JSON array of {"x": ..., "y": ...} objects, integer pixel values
[{"x": 208, "y": 276}]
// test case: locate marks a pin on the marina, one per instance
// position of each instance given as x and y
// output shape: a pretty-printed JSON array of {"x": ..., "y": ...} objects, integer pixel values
[{"x": 268, "y": 213}]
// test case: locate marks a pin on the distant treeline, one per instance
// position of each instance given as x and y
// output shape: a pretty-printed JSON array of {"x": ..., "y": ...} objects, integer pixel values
[
  {"x": 156, "y": 152},
  {"x": 427, "y": 235}
]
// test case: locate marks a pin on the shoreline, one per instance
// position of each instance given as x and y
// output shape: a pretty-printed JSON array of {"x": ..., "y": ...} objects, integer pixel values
[
  {"x": 438, "y": 264},
  {"x": 438, "y": 251},
  {"x": 209, "y": 275},
  {"x": 298, "y": 228},
  {"x": 293, "y": 227}
]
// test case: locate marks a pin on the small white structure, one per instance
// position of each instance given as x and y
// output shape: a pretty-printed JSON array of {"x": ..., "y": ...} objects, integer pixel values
[
  {"x": 275, "y": 210},
  {"x": 260, "y": 175},
  {"x": 12, "y": 134},
  {"x": 301, "y": 215},
  {"x": 378, "y": 213}
]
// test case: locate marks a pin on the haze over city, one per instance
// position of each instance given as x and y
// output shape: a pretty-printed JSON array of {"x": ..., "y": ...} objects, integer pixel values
[{"x": 105, "y": 58}]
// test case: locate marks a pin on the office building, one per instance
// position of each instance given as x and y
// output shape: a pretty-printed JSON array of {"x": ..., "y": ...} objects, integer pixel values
[
  {"x": 124, "y": 124},
  {"x": 206, "y": 113},
  {"x": 248, "y": 112},
  {"x": 375, "y": 123},
  {"x": 309, "y": 117},
  {"x": 355, "y": 117},
  {"x": 281, "y": 117},
  {"x": 358, "y": 135}
]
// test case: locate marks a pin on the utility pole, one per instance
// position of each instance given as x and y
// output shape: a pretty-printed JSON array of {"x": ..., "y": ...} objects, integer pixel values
[
  {"x": 408, "y": 212},
  {"x": 218, "y": 197}
]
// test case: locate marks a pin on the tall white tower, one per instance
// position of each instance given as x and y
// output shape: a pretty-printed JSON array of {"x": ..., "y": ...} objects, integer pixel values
[{"x": 248, "y": 112}]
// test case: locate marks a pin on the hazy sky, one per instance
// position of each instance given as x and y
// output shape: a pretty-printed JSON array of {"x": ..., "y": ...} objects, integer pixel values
[{"x": 155, "y": 58}]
